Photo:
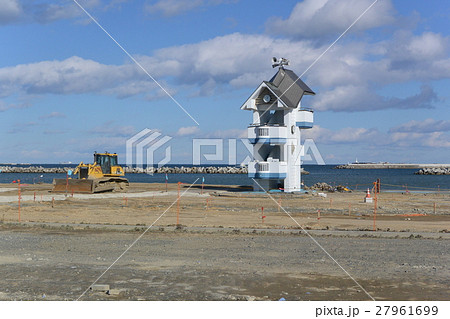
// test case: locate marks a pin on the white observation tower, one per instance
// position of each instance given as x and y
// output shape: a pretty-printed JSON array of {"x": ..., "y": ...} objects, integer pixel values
[{"x": 278, "y": 119}]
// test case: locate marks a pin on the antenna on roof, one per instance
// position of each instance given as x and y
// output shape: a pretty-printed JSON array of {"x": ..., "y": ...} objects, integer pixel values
[{"x": 279, "y": 62}]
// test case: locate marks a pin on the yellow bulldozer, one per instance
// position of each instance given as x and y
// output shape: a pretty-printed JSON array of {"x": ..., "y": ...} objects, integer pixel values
[{"x": 105, "y": 175}]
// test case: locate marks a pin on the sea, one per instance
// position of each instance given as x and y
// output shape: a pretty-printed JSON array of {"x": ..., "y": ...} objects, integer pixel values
[{"x": 355, "y": 179}]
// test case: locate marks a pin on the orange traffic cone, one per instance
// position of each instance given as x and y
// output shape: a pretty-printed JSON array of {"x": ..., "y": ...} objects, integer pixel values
[{"x": 368, "y": 199}]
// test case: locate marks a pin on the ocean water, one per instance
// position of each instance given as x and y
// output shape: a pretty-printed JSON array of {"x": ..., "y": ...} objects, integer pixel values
[{"x": 356, "y": 179}]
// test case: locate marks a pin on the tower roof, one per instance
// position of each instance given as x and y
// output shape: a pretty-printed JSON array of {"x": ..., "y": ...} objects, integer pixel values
[{"x": 288, "y": 87}]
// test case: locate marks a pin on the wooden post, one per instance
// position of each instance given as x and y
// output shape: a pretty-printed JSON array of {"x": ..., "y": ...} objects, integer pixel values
[
  {"x": 331, "y": 202},
  {"x": 34, "y": 198},
  {"x": 53, "y": 202},
  {"x": 318, "y": 214},
  {"x": 349, "y": 209},
  {"x": 434, "y": 207}
]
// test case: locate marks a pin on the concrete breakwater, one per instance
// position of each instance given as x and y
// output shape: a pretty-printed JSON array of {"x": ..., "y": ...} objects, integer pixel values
[
  {"x": 138, "y": 170},
  {"x": 390, "y": 166},
  {"x": 434, "y": 171}
]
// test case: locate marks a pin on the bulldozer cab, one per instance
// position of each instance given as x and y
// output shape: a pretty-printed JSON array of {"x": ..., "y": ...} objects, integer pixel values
[{"x": 106, "y": 161}]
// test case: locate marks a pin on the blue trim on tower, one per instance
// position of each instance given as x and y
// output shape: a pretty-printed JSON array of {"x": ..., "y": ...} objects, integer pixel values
[
  {"x": 267, "y": 175},
  {"x": 304, "y": 124},
  {"x": 270, "y": 140}
]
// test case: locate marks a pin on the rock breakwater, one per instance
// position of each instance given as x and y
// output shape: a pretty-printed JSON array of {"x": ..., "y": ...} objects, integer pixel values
[
  {"x": 137, "y": 170},
  {"x": 434, "y": 171}
]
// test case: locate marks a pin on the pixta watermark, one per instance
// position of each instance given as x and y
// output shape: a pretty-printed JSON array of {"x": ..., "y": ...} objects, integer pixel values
[{"x": 150, "y": 148}]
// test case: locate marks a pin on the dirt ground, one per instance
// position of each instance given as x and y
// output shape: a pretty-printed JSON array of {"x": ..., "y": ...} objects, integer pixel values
[
  {"x": 221, "y": 206},
  {"x": 215, "y": 255}
]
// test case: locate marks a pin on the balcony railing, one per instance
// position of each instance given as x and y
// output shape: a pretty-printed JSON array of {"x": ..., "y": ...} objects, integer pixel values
[
  {"x": 267, "y": 170},
  {"x": 262, "y": 131},
  {"x": 262, "y": 167},
  {"x": 267, "y": 134}
]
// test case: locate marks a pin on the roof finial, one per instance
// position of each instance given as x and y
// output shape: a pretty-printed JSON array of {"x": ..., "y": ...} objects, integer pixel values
[{"x": 279, "y": 62}]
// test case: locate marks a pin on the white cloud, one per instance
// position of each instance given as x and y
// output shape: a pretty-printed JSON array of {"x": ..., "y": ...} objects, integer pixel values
[
  {"x": 111, "y": 129},
  {"x": 231, "y": 133},
  {"x": 424, "y": 56},
  {"x": 10, "y": 12},
  {"x": 6, "y": 106},
  {"x": 316, "y": 19},
  {"x": 361, "y": 98},
  {"x": 347, "y": 78},
  {"x": 419, "y": 139},
  {"x": 45, "y": 11},
  {"x": 21, "y": 127},
  {"x": 99, "y": 144},
  {"x": 425, "y": 126},
  {"x": 73, "y": 75},
  {"x": 195, "y": 130},
  {"x": 395, "y": 137},
  {"x": 171, "y": 8},
  {"x": 348, "y": 135},
  {"x": 190, "y": 130},
  {"x": 244, "y": 59},
  {"x": 53, "y": 115}
]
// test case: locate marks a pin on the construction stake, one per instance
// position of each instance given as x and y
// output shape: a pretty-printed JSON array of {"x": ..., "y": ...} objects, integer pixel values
[
  {"x": 18, "y": 181},
  {"x": 375, "y": 213},
  {"x": 178, "y": 204}
]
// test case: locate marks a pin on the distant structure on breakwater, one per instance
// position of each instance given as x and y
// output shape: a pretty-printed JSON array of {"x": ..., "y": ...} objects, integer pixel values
[{"x": 389, "y": 165}]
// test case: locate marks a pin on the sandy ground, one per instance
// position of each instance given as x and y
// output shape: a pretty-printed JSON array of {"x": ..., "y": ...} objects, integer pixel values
[{"x": 216, "y": 255}]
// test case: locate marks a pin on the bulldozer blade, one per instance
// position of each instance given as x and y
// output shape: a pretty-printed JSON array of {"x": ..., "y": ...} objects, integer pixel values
[
  {"x": 111, "y": 184},
  {"x": 61, "y": 185}
]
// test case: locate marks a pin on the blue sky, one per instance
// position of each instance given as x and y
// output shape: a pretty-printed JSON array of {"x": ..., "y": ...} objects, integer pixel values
[{"x": 67, "y": 90}]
